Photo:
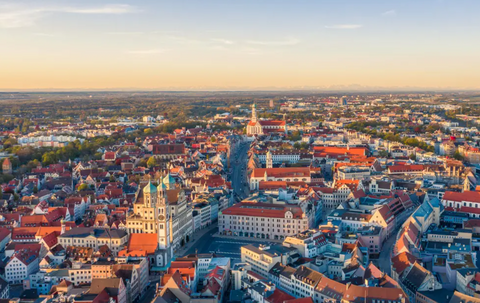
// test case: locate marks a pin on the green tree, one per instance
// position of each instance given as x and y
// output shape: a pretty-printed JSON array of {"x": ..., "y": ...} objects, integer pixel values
[
  {"x": 82, "y": 186},
  {"x": 151, "y": 162},
  {"x": 383, "y": 154},
  {"x": 148, "y": 131},
  {"x": 49, "y": 158},
  {"x": 458, "y": 156}
]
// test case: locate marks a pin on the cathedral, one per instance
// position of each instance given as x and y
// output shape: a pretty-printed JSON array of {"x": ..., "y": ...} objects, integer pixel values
[
  {"x": 263, "y": 127},
  {"x": 162, "y": 210}
]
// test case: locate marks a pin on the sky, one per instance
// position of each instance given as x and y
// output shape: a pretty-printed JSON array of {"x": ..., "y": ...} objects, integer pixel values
[{"x": 239, "y": 44}]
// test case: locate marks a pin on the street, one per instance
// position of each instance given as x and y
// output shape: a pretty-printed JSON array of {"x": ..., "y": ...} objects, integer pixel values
[
  {"x": 239, "y": 167},
  {"x": 148, "y": 296}
]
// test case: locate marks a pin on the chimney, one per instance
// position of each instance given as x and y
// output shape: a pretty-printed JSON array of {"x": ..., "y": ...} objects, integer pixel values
[{"x": 62, "y": 231}]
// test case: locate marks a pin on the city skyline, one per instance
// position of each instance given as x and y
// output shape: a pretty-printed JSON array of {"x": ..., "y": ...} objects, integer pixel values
[{"x": 247, "y": 45}]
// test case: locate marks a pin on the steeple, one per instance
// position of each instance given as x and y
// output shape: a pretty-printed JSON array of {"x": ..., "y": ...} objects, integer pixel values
[
  {"x": 269, "y": 161},
  {"x": 254, "y": 113}
]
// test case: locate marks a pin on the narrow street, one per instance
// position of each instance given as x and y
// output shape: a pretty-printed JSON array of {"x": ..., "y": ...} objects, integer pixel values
[
  {"x": 149, "y": 295},
  {"x": 384, "y": 260}
]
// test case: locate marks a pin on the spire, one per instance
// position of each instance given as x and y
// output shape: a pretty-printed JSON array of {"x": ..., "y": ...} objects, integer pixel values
[{"x": 254, "y": 113}]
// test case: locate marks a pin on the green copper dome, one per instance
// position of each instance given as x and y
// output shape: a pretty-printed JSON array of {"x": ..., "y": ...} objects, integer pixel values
[
  {"x": 168, "y": 180},
  {"x": 149, "y": 188}
]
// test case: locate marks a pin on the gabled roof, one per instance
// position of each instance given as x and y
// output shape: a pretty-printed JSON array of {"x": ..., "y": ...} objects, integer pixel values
[
  {"x": 278, "y": 296},
  {"x": 140, "y": 244},
  {"x": 402, "y": 261},
  {"x": 415, "y": 277},
  {"x": 467, "y": 196}
]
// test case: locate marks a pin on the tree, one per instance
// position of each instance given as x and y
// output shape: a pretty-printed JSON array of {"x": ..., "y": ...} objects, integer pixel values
[
  {"x": 148, "y": 131},
  {"x": 49, "y": 158},
  {"x": 383, "y": 154},
  {"x": 458, "y": 156},
  {"x": 295, "y": 136},
  {"x": 82, "y": 186},
  {"x": 413, "y": 157},
  {"x": 151, "y": 162},
  {"x": 35, "y": 189}
]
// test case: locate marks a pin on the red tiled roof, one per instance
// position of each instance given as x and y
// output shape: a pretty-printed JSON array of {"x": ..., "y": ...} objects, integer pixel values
[
  {"x": 406, "y": 168},
  {"x": 280, "y": 172},
  {"x": 471, "y": 223},
  {"x": 140, "y": 244},
  {"x": 263, "y": 210},
  {"x": 278, "y": 296},
  {"x": 4, "y": 233},
  {"x": 300, "y": 300},
  {"x": 329, "y": 150},
  {"x": 467, "y": 196},
  {"x": 272, "y": 122},
  {"x": 265, "y": 185},
  {"x": 403, "y": 260}
]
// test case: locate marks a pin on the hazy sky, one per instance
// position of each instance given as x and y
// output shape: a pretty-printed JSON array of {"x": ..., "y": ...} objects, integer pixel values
[{"x": 192, "y": 44}]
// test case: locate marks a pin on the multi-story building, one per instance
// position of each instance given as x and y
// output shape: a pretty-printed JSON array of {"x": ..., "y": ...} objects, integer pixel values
[
  {"x": 263, "y": 258},
  {"x": 270, "y": 157},
  {"x": 471, "y": 154},
  {"x": 467, "y": 202},
  {"x": 288, "y": 174},
  {"x": 309, "y": 242},
  {"x": 146, "y": 217},
  {"x": 80, "y": 273},
  {"x": 304, "y": 281},
  {"x": 353, "y": 172},
  {"x": 263, "y": 220},
  {"x": 114, "y": 239},
  {"x": 21, "y": 265}
]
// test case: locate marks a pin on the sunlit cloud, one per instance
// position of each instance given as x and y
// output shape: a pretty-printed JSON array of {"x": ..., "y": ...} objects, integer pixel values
[
  {"x": 344, "y": 26},
  {"x": 18, "y": 15}
]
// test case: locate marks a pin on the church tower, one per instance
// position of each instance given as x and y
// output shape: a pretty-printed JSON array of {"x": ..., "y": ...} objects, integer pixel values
[
  {"x": 254, "y": 113},
  {"x": 169, "y": 181},
  {"x": 149, "y": 195},
  {"x": 269, "y": 160}
]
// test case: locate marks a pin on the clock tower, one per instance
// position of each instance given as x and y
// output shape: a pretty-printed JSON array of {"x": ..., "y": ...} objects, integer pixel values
[
  {"x": 163, "y": 218},
  {"x": 164, "y": 250}
]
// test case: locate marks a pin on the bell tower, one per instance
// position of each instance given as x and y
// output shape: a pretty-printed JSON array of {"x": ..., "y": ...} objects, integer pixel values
[
  {"x": 269, "y": 159},
  {"x": 254, "y": 113}
]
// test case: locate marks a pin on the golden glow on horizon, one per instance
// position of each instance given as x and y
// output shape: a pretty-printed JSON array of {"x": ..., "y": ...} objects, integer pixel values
[{"x": 156, "y": 45}]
